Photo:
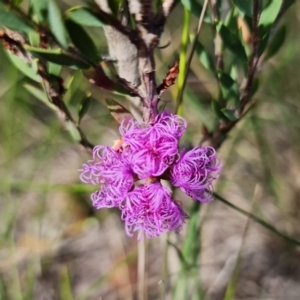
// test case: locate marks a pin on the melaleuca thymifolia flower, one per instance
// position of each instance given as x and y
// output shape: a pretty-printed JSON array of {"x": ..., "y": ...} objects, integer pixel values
[
  {"x": 129, "y": 174},
  {"x": 149, "y": 208},
  {"x": 195, "y": 171}
]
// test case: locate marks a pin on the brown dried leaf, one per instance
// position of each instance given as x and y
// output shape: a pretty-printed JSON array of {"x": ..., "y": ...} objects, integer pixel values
[{"x": 169, "y": 79}]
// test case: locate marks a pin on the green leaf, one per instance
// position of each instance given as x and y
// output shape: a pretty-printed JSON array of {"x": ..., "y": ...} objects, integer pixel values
[
  {"x": 40, "y": 8},
  {"x": 34, "y": 38},
  {"x": 12, "y": 21},
  {"x": 115, "y": 6},
  {"x": 232, "y": 42},
  {"x": 54, "y": 69},
  {"x": 193, "y": 6},
  {"x": 276, "y": 42},
  {"x": 231, "y": 21},
  {"x": 263, "y": 43},
  {"x": 119, "y": 112},
  {"x": 82, "y": 41},
  {"x": 229, "y": 87},
  {"x": 57, "y": 57},
  {"x": 204, "y": 57},
  {"x": 27, "y": 69},
  {"x": 72, "y": 128},
  {"x": 39, "y": 94},
  {"x": 255, "y": 86},
  {"x": 56, "y": 24},
  {"x": 17, "y": 2},
  {"x": 84, "y": 16},
  {"x": 225, "y": 80},
  {"x": 84, "y": 107},
  {"x": 245, "y": 6},
  {"x": 270, "y": 13},
  {"x": 72, "y": 87},
  {"x": 217, "y": 109},
  {"x": 229, "y": 114}
]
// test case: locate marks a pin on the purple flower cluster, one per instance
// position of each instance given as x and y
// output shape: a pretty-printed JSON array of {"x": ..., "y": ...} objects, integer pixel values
[{"x": 129, "y": 174}]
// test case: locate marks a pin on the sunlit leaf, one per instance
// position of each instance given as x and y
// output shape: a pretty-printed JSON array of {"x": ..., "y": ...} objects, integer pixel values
[
  {"x": 54, "y": 69},
  {"x": 40, "y": 8},
  {"x": 232, "y": 42},
  {"x": 270, "y": 13},
  {"x": 56, "y": 24},
  {"x": 57, "y": 57},
  {"x": 72, "y": 87},
  {"x": 25, "y": 68},
  {"x": 83, "y": 16},
  {"x": 12, "y": 21},
  {"x": 39, "y": 94},
  {"x": 34, "y": 38},
  {"x": 72, "y": 128},
  {"x": 82, "y": 41}
]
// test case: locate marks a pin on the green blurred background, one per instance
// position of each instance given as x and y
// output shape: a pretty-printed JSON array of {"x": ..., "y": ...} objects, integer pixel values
[{"x": 54, "y": 245}]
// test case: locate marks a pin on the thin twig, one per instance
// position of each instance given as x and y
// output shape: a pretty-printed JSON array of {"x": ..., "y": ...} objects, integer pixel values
[
  {"x": 246, "y": 95},
  {"x": 218, "y": 136},
  {"x": 142, "y": 268},
  {"x": 218, "y": 40},
  {"x": 179, "y": 98},
  {"x": 55, "y": 98}
]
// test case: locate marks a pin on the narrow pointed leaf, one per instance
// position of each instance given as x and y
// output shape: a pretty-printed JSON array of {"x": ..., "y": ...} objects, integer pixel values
[
  {"x": 276, "y": 42},
  {"x": 229, "y": 114},
  {"x": 232, "y": 42},
  {"x": 84, "y": 107},
  {"x": 72, "y": 128},
  {"x": 203, "y": 56},
  {"x": 225, "y": 80},
  {"x": 56, "y": 23},
  {"x": 83, "y": 16},
  {"x": 82, "y": 41},
  {"x": 119, "y": 112},
  {"x": 193, "y": 6},
  {"x": 270, "y": 13},
  {"x": 57, "y": 57},
  {"x": 39, "y": 94},
  {"x": 12, "y": 21},
  {"x": 216, "y": 107},
  {"x": 54, "y": 69},
  {"x": 40, "y": 10},
  {"x": 245, "y": 6},
  {"x": 25, "y": 68},
  {"x": 115, "y": 6},
  {"x": 17, "y": 2}
]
